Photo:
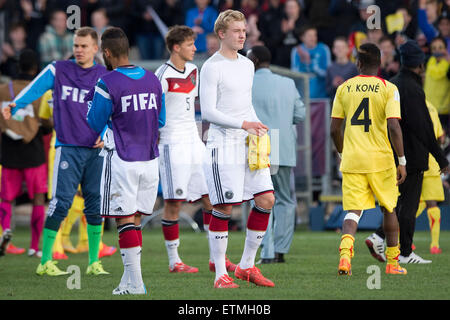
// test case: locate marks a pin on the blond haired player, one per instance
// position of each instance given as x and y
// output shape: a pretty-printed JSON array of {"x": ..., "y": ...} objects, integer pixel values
[
  {"x": 370, "y": 108},
  {"x": 226, "y": 80},
  {"x": 432, "y": 188},
  {"x": 180, "y": 147}
]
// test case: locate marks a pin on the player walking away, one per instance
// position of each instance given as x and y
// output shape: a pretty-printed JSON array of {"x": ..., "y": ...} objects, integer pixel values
[
  {"x": 370, "y": 107},
  {"x": 129, "y": 100},
  {"x": 182, "y": 177},
  {"x": 77, "y": 158},
  {"x": 432, "y": 187},
  {"x": 226, "y": 82}
]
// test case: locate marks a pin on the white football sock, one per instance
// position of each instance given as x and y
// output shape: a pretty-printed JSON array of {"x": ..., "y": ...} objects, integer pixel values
[
  {"x": 206, "y": 228},
  {"x": 219, "y": 243},
  {"x": 132, "y": 263},
  {"x": 172, "y": 251},
  {"x": 253, "y": 240}
]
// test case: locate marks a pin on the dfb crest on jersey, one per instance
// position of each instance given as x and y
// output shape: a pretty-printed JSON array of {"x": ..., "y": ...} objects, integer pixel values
[{"x": 192, "y": 78}]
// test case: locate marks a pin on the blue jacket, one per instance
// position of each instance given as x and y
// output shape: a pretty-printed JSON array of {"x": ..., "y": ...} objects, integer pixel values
[{"x": 278, "y": 105}]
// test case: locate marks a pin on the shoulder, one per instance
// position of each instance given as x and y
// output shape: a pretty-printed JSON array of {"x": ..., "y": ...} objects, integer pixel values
[
  {"x": 190, "y": 66},
  {"x": 162, "y": 71}
]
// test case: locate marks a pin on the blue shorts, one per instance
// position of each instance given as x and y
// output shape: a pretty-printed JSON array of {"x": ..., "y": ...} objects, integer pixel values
[{"x": 76, "y": 166}]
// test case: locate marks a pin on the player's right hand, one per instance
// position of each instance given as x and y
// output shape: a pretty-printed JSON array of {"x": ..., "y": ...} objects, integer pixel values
[
  {"x": 401, "y": 174},
  {"x": 256, "y": 128},
  {"x": 6, "y": 111}
]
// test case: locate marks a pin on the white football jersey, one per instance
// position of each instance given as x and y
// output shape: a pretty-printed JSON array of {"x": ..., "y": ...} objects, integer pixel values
[{"x": 181, "y": 89}]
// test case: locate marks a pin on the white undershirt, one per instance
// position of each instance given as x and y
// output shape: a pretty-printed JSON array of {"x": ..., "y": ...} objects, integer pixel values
[{"x": 226, "y": 95}]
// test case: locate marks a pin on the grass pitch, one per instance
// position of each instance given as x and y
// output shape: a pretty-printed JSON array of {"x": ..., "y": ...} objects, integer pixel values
[{"x": 310, "y": 272}]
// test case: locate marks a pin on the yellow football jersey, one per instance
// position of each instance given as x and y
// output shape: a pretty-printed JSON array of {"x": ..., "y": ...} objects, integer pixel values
[
  {"x": 366, "y": 102},
  {"x": 433, "y": 166}
]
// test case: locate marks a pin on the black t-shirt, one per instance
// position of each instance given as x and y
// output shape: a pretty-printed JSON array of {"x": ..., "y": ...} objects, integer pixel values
[{"x": 18, "y": 155}]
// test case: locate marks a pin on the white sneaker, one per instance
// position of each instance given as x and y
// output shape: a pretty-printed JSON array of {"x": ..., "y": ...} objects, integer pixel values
[
  {"x": 129, "y": 290},
  {"x": 4, "y": 241},
  {"x": 34, "y": 253},
  {"x": 376, "y": 247},
  {"x": 412, "y": 258}
]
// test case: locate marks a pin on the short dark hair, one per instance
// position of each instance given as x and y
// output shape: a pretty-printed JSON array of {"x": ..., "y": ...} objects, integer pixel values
[
  {"x": 177, "y": 35},
  {"x": 369, "y": 55},
  {"x": 305, "y": 29},
  {"x": 262, "y": 53},
  {"x": 115, "y": 40},
  {"x": 28, "y": 61},
  {"x": 87, "y": 31},
  {"x": 387, "y": 38},
  {"x": 439, "y": 38}
]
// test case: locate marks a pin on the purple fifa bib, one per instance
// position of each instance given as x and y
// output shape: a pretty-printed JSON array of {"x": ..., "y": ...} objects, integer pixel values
[
  {"x": 136, "y": 107},
  {"x": 70, "y": 107}
]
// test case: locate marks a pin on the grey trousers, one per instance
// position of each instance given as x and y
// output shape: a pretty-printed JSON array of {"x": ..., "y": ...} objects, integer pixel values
[{"x": 280, "y": 231}]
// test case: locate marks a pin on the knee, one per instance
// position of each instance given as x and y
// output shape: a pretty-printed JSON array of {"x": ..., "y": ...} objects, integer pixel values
[
  {"x": 93, "y": 219},
  {"x": 172, "y": 210},
  {"x": 265, "y": 201}
]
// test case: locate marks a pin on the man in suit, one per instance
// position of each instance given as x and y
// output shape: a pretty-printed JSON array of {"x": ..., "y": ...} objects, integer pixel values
[{"x": 277, "y": 103}]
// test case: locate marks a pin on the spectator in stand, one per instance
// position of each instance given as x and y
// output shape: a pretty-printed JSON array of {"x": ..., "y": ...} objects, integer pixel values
[
  {"x": 318, "y": 12},
  {"x": 269, "y": 24},
  {"x": 291, "y": 24},
  {"x": 99, "y": 21},
  {"x": 11, "y": 50},
  {"x": 56, "y": 42},
  {"x": 437, "y": 81},
  {"x": 249, "y": 7},
  {"x": 390, "y": 62},
  {"x": 409, "y": 26},
  {"x": 148, "y": 38},
  {"x": 117, "y": 11},
  {"x": 312, "y": 57},
  {"x": 374, "y": 36},
  {"x": 172, "y": 12},
  {"x": 341, "y": 69},
  {"x": 253, "y": 34},
  {"x": 34, "y": 14},
  {"x": 345, "y": 14},
  {"x": 444, "y": 29},
  {"x": 428, "y": 18},
  {"x": 212, "y": 44},
  {"x": 201, "y": 19}
]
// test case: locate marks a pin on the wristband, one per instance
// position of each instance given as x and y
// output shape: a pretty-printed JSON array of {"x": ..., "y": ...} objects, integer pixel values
[{"x": 402, "y": 161}]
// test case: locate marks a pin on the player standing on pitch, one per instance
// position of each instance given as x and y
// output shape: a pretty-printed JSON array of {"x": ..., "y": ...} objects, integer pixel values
[
  {"x": 77, "y": 160},
  {"x": 370, "y": 108},
  {"x": 182, "y": 177},
  {"x": 226, "y": 81},
  {"x": 130, "y": 101}
]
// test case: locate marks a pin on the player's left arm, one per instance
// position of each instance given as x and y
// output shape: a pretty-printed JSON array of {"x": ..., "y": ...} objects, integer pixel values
[
  {"x": 100, "y": 107},
  {"x": 337, "y": 120}
]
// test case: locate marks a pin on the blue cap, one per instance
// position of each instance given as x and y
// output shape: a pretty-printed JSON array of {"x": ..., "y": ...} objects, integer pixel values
[{"x": 411, "y": 55}]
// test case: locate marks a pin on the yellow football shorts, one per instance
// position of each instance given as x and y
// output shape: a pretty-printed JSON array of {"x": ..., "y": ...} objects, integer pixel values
[
  {"x": 432, "y": 189},
  {"x": 360, "y": 189}
]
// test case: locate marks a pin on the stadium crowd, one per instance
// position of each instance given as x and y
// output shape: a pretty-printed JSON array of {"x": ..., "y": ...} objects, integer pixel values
[{"x": 317, "y": 37}]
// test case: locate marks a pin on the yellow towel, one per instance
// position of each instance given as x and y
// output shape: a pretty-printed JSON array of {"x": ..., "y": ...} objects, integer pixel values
[{"x": 258, "y": 151}]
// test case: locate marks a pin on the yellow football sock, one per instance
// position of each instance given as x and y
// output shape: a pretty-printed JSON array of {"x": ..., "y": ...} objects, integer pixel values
[
  {"x": 82, "y": 231},
  {"x": 57, "y": 245},
  {"x": 72, "y": 217},
  {"x": 434, "y": 219},
  {"x": 392, "y": 254},
  {"x": 422, "y": 206},
  {"x": 346, "y": 247}
]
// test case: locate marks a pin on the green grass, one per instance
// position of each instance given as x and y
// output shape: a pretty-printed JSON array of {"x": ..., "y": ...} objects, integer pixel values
[{"x": 310, "y": 272}]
